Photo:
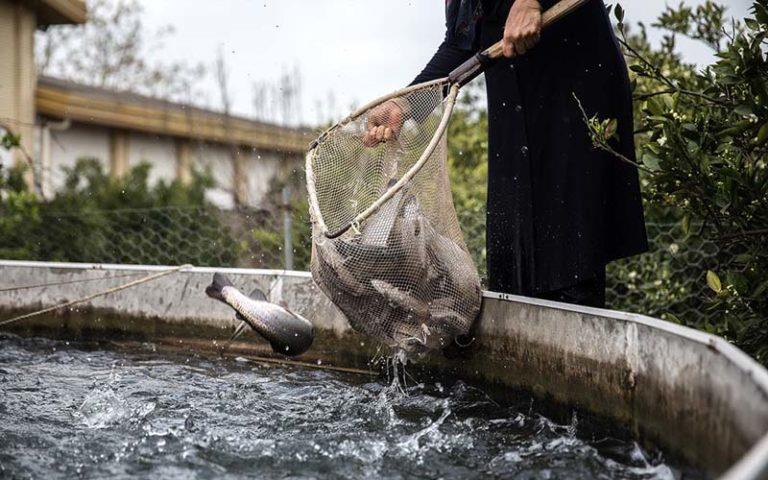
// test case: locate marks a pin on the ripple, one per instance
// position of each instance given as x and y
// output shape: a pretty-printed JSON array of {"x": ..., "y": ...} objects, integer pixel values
[{"x": 66, "y": 411}]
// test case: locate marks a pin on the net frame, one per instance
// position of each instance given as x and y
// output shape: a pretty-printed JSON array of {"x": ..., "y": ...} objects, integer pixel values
[
  {"x": 453, "y": 82},
  {"x": 456, "y": 316},
  {"x": 449, "y": 102}
]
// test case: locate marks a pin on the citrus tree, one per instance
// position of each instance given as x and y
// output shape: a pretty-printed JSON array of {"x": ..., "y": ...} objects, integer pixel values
[{"x": 703, "y": 148}]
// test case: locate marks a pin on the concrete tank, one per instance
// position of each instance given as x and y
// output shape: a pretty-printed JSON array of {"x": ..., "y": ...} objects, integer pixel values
[{"x": 692, "y": 393}]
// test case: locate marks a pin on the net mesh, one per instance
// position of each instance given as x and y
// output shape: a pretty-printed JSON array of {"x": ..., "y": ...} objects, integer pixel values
[{"x": 403, "y": 274}]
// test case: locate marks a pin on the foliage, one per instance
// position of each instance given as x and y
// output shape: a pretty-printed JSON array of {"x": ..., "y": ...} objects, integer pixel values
[
  {"x": 467, "y": 155},
  {"x": 703, "y": 142},
  {"x": 10, "y": 141},
  {"x": 266, "y": 240},
  {"x": 97, "y": 218},
  {"x": 19, "y": 215},
  {"x": 110, "y": 51}
]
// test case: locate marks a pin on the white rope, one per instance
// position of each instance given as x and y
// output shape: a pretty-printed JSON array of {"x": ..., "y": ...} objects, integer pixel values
[
  {"x": 52, "y": 284},
  {"x": 134, "y": 283}
]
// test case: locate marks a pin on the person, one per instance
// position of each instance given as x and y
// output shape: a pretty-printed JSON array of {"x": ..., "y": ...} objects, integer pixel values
[{"x": 558, "y": 210}]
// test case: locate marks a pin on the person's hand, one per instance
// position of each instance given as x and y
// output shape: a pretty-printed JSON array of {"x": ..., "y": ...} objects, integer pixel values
[
  {"x": 523, "y": 27},
  {"x": 384, "y": 123}
]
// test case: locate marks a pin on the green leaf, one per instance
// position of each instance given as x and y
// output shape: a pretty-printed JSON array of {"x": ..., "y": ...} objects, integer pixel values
[
  {"x": 743, "y": 110},
  {"x": 686, "y": 225},
  {"x": 9, "y": 141},
  {"x": 714, "y": 282},
  {"x": 762, "y": 134},
  {"x": 761, "y": 289},
  {"x": 619, "y": 13},
  {"x": 652, "y": 162}
]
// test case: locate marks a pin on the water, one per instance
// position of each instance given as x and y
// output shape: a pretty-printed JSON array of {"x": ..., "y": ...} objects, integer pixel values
[{"x": 68, "y": 411}]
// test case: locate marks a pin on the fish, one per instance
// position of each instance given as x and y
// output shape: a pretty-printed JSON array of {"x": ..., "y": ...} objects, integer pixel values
[
  {"x": 401, "y": 299},
  {"x": 412, "y": 234},
  {"x": 377, "y": 229},
  {"x": 459, "y": 278},
  {"x": 334, "y": 266},
  {"x": 287, "y": 332},
  {"x": 399, "y": 279}
]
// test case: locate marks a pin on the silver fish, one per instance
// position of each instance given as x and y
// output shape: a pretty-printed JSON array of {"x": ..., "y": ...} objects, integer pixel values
[
  {"x": 334, "y": 266},
  {"x": 288, "y": 332},
  {"x": 401, "y": 299},
  {"x": 378, "y": 228}
]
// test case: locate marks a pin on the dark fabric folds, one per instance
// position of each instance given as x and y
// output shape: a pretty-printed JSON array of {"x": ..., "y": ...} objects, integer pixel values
[
  {"x": 462, "y": 18},
  {"x": 558, "y": 210}
]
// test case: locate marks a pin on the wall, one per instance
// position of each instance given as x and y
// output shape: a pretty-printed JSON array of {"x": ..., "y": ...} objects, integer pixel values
[
  {"x": 156, "y": 150},
  {"x": 17, "y": 72},
  {"x": 67, "y": 146},
  {"x": 80, "y": 140}
]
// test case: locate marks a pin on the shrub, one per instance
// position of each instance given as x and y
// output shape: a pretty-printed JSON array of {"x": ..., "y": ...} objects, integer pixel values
[{"x": 703, "y": 144}]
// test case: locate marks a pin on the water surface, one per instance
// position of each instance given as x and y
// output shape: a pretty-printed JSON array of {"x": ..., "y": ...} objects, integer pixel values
[{"x": 67, "y": 411}]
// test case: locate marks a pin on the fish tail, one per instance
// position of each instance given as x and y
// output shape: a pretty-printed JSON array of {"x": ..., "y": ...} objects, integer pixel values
[{"x": 214, "y": 290}]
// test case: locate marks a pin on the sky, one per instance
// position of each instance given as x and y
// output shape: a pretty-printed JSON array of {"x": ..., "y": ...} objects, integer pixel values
[{"x": 348, "y": 51}]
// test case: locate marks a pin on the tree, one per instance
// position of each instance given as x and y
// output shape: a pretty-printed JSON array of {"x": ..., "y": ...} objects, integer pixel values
[
  {"x": 279, "y": 101},
  {"x": 112, "y": 50},
  {"x": 703, "y": 145}
]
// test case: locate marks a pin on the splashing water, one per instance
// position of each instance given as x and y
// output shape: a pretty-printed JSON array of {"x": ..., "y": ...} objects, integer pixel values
[{"x": 68, "y": 412}]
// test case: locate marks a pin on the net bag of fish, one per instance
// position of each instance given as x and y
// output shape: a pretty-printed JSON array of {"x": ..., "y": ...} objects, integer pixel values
[{"x": 387, "y": 248}]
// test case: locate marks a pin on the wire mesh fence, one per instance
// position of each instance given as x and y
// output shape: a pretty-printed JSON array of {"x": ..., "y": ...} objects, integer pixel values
[
  {"x": 667, "y": 282},
  {"x": 202, "y": 236}
]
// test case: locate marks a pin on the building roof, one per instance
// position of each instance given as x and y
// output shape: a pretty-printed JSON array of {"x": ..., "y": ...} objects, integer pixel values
[
  {"x": 58, "y": 12},
  {"x": 129, "y": 111}
]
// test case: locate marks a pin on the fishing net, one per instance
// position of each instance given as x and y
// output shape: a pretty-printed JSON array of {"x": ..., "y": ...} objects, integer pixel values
[{"x": 387, "y": 247}]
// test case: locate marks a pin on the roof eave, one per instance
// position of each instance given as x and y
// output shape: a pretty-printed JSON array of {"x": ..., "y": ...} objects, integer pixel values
[
  {"x": 59, "y": 12},
  {"x": 96, "y": 106}
]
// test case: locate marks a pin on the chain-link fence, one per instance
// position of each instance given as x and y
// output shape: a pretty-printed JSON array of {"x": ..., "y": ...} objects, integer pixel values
[
  {"x": 202, "y": 236},
  {"x": 668, "y": 282}
]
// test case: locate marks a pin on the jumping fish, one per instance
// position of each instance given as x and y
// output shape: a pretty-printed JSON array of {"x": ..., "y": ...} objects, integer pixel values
[{"x": 288, "y": 332}]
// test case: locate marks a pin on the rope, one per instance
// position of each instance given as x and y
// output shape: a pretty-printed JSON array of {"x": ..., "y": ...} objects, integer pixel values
[
  {"x": 134, "y": 283},
  {"x": 41, "y": 285}
]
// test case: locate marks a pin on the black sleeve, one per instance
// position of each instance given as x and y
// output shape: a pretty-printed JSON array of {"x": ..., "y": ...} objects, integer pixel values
[{"x": 447, "y": 57}]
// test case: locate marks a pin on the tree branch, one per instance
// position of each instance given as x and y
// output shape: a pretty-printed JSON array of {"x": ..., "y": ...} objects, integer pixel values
[
  {"x": 604, "y": 145},
  {"x": 747, "y": 233}
]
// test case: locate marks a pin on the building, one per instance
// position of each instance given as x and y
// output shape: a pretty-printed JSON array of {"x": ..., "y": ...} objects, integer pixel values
[
  {"x": 124, "y": 129},
  {"x": 60, "y": 122}
]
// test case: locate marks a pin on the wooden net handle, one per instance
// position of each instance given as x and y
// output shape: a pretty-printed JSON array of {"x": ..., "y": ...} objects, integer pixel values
[
  {"x": 473, "y": 67},
  {"x": 558, "y": 11}
]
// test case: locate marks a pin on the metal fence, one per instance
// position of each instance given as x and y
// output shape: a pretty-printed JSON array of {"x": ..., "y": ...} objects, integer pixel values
[
  {"x": 202, "y": 236},
  {"x": 668, "y": 282}
]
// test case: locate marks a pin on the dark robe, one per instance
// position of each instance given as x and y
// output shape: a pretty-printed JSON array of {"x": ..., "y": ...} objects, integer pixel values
[{"x": 558, "y": 209}]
